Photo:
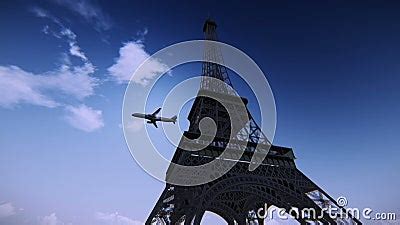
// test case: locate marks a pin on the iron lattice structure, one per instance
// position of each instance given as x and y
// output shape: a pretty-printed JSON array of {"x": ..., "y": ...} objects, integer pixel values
[{"x": 239, "y": 193}]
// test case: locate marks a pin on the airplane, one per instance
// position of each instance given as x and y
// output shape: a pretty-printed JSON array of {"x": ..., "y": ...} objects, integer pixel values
[{"x": 152, "y": 118}]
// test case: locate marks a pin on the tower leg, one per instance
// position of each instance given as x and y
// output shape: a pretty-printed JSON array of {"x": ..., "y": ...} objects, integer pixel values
[
  {"x": 197, "y": 219},
  {"x": 188, "y": 219}
]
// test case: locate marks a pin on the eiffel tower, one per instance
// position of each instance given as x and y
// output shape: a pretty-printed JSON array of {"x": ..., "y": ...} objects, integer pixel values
[{"x": 239, "y": 193}]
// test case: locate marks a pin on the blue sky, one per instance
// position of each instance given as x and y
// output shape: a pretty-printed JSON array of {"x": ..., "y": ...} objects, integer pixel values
[{"x": 64, "y": 67}]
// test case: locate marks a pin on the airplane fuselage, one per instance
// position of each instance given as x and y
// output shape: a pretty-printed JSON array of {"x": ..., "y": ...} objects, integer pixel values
[{"x": 153, "y": 118}]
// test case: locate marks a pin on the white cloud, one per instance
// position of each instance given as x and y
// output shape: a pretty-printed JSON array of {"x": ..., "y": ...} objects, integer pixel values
[
  {"x": 131, "y": 56},
  {"x": 90, "y": 11},
  {"x": 75, "y": 81},
  {"x": 133, "y": 125},
  {"x": 116, "y": 219},
  {"x": 84, "y": 118},
  {"x": 51, "y": 219},
  {"x": 19, "y": 86},
  {"x": 6, "y": 210},
  {"x": 39, "y": 12},
  {"x": 49, "y": 88}
]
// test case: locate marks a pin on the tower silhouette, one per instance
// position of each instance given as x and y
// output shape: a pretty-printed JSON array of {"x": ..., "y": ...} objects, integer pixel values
[{"x": 236, "y": 195}]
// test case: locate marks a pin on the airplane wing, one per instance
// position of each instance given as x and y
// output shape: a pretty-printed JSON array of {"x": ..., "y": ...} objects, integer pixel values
[
  {"x": 156, "y": 112},
  {"x": 153, "y": 122}
]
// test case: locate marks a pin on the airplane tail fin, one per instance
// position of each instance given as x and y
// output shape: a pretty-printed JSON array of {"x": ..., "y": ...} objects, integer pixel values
[{"x": 174, "y": 119}]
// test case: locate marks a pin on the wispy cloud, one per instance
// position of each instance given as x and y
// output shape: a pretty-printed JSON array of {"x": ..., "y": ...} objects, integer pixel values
[
  {"x": 20, "y": 86},
  {"x": 90, "y": 11},
  {"x": 51, "y": 219},
  {"x": 116, "y": 219},
  {"x": 131, "y": 56},
  {"x": 142, "y": 33},
  {"x": 42, "y": 13},
  {"x": 133, "y": 125},
  {"x": 62, "y": 33},
  {"x": 50, "y": 89},
  {"x": 39, "y": 12},
  {"x": 7, "y": 209},
  {"x": 84, "y": 118},
  {"x": 74, "y": 48}
]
